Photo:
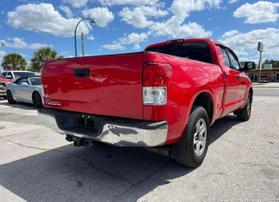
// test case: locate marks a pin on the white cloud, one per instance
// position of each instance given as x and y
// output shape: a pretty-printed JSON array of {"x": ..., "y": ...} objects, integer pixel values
[
  {"x": 44, "y": 18},
  {"x": 232, "y": 1},
  {"x": 77, "y": 3},
  {"x": 66, "y": 10},
  {"x": 17, "y": 42},
  {"x": 131, "y": 39},
  {"x": 182, "y": 8},
  {"x": 245, "y": 44},
  {"x": 260, "y": 12},
  {"x": 137, "y": 17},
  {"x": 113, "y": 46},
  {"x": 175, "y": 25},
  {"x": 128, "y": 2},
  {"x": 176, "y": 28},
  {"x": 90, "y": 37},
  {"x": 102, "y": 15}
]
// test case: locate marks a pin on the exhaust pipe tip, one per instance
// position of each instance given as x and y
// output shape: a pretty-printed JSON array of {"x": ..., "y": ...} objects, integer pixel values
[
  {"x": 69, "y": 138},
  {"x": 78, "y": 142}
]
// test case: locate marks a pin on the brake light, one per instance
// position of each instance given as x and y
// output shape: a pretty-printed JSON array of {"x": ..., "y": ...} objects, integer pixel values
[
  {"x": 156, "y": 77},
  {"x": 156, "y": 74}
]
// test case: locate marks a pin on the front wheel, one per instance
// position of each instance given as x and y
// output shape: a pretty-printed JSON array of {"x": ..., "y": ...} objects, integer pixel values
[
  {"x": 10, "y": 97},
  {"x": 245, "y": 113},
  {"x": 192, "y": 147}
]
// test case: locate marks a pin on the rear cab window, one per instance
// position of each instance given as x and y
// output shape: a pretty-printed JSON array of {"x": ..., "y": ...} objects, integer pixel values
[
  {"x": 230, "y": 59},
  {"x": 192, "y": 50}
]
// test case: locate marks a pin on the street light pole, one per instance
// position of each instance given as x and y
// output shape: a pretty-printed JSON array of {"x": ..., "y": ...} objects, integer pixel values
[
  {"x": 75, "y": 35},
  {"x": 260, "y": 49},
  {"x": 82, "y": 44}
]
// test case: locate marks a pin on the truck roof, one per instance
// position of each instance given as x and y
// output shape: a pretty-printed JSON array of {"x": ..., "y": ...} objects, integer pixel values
[{"x": 184, "y": 40}]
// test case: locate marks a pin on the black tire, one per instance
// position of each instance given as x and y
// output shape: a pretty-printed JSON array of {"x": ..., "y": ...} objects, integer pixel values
[
  {"x": 10, "y": 97},
  {"x": 184, "y": 150},
  {"x": 37, "y": 100},
  {"x": 245, "y": 113}
]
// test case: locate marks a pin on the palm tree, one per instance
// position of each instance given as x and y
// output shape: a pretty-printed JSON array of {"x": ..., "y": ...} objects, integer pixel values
[
  {"x": 41, "y": 56},
  {"x": 14, "y": 61}
]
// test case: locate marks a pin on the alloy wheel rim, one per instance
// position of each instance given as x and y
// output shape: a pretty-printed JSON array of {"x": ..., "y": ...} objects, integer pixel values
[{"x": 200, "y": 136}]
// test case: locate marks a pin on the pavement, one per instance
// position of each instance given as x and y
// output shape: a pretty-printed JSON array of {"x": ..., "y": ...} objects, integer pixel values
[
  {"x": 266, "y": 85},
  {"x": 242, "y": 163}
]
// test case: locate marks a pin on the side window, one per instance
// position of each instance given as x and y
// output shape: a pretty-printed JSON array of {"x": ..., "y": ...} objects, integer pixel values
[
  {"x": 225, "y": 57},
  {"x": 233, "y": 60},
  {"x": 21, "y": 81},
  {"x": 4, "y": 74},
  {"x": 9, "y": 75}
]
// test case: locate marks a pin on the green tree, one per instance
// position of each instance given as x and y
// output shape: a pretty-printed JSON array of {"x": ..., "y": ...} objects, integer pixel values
[
  {"x": 14, "y": 61},
  {"x": 41, "y": 56}
]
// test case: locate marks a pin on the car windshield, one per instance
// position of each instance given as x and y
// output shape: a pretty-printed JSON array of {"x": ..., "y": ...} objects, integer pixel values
[
  {"x": 35, "y": 81},
  {"x": 192, "y": 50},
  {"x": 23, "y": 74}
]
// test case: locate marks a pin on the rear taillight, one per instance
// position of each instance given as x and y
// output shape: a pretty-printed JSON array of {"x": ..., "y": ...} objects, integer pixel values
[
  {"x": 156, "y": 74},
  {"x": 156, "y": 77},
  {"x": 154, "y": 95}
]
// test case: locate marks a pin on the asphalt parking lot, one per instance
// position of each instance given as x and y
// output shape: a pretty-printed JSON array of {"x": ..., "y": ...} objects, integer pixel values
[{"x": 242, "y": 163}]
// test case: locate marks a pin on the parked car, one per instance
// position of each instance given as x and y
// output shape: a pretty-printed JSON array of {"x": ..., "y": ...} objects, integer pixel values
[
  {"x": 26, "y": 90},
  {"x": 13, "y": 75},
  {"x": 2, "y": 89},
  {"x": 164, "y": 98}
]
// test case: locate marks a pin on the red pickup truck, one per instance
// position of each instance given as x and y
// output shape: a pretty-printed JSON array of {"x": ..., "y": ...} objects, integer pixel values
[{"x": 165, "y": 97}]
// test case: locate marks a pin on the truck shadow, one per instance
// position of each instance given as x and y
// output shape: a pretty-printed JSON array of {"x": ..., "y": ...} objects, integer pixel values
[{"x": 97, "y": 173}]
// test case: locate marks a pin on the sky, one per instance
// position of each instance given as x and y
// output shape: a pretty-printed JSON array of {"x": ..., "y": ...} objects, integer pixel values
[{"x": 130, "y": 25}]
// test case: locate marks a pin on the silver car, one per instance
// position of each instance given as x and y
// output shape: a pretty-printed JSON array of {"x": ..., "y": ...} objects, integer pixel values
[{"x": 26, "y": 90}]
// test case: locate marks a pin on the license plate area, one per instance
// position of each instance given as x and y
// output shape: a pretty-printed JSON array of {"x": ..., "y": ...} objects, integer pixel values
[{"x": 86, "y": 121}]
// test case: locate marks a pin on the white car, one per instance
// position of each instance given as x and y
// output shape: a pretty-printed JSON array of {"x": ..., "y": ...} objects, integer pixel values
[
  {"x": 26, "y": 90},
  {"x": 12, "y": 75}
]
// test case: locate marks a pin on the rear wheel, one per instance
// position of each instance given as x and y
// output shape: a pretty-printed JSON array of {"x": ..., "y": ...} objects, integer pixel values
[
  {"x": 37, "y": 100},
  {"x": 10, "y": 97},
  {"x": 192, "y": 147},
  {"x": 245, "y": 113}
]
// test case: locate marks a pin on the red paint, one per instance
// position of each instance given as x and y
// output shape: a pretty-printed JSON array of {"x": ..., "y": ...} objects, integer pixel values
[{"x": 114, "y": 86}]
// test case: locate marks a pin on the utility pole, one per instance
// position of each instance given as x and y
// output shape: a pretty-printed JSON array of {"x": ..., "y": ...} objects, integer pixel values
[
  {"x": 82, "y": 44},
  {"x": 260, "y": 49}
]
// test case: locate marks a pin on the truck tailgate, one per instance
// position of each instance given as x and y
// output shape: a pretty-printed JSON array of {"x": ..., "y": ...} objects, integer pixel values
[{"x": 106, "y": 85}]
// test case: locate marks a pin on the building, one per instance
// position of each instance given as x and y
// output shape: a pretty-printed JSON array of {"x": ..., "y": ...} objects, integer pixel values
[{"x": 267, "y": 75}]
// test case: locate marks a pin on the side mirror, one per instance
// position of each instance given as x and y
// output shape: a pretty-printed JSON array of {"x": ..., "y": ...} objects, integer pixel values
[
  {"x": 248, "y": 66},
  {"x": 24, "y": 84}
]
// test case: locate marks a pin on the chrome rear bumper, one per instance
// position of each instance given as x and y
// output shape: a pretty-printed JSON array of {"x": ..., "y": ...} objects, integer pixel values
[{"x": 111, "y": 130}]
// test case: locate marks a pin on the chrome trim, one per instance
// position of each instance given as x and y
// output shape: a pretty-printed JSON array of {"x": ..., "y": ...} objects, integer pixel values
[{"x": 114, "y": 131}]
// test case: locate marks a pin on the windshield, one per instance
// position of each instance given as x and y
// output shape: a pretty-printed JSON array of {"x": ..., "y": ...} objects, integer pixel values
[
  {"x": 35, "y": 81},
  {"x": 192, "y": 50},
  {"x": 23, "y": 74}
]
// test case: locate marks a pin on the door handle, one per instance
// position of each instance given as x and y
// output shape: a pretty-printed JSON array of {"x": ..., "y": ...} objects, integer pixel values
[{"x": 239, "y": 76}]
